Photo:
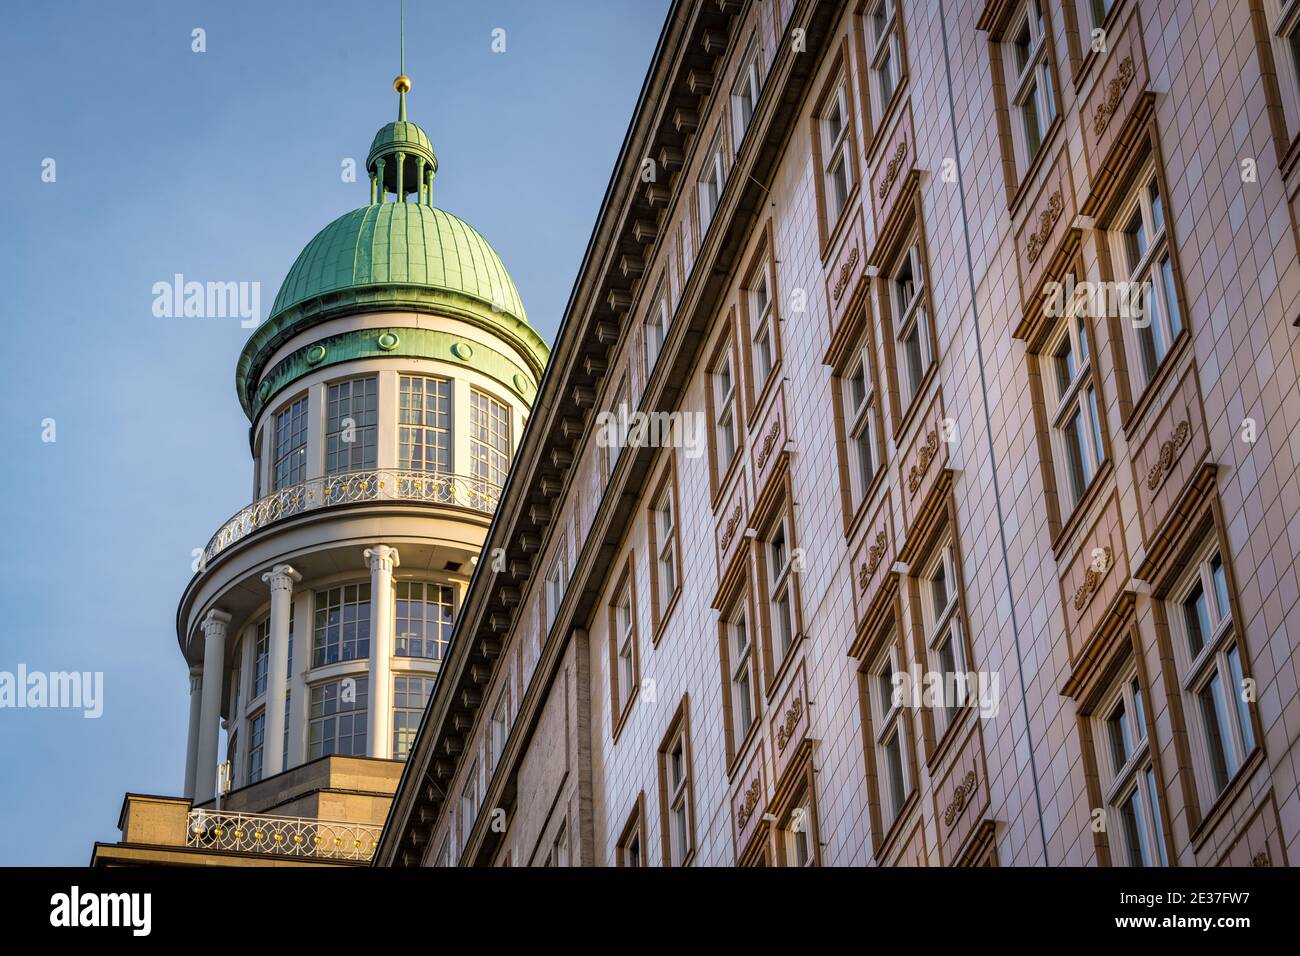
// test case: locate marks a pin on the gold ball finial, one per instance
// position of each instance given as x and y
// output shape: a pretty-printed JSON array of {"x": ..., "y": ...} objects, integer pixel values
[{"x": 402, "y": 84}]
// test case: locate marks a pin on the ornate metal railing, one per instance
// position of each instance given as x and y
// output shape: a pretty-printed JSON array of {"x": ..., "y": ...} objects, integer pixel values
[
  {"x": 377, "y": 484},
  {"x": 281, "y": 836}
]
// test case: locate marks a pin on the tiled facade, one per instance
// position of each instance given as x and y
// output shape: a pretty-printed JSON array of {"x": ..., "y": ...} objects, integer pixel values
[{"x": 683, "y": 655}]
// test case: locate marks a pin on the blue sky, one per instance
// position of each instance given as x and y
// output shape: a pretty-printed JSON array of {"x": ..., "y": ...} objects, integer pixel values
[{"x": 221, "y": 166}]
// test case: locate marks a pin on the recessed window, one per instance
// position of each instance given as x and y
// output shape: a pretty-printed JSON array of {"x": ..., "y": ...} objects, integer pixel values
[
  {"x": 337, "y": 720},
  {"x": 1212, "y": 673},
  {"x": 1071, "y": 398},
  {"x": 558, "y": 855},
  {"x": 713, "y": 179},
  {"x": 945, "y": 645},
  {"x": 912, "y": 322},
  {"x": 256, "y": 738},
  {"x": 1134, "y": 830},
  {"x": 623, "y": 655},
  {"x": 621, "y": 408},
  {"x": 667, "y": 571},
  {"x": 886, "y": 55},
  {"x": 469, "y": 804},
  {"x": 796, "y": 832},
  {"x": 780, "y": 591},
  {"x": 1028, "y": 68},
  {"x": 424, "y": 424},
  {"x": 890, "y": 743},
  {"x": 631, "y": 849},
  {"x": 554, "y": 585},
  {"x": 657, "y": 320},
  {"x": 351, "y": 429},
  {"x": 291, "y": 444},
  {"x": 837, "y": 156},
  {"x": 489, "y": 440},
  {"x": 342, "y": 626},
  {"x": 744, "y": 94},
  {"x": 1144, "y": 262},
  {"x": 261, "y": 656},
  {"x": 739, "y": 667},
  {"x": 1099, "y": 10},
  {"x": 861, "y": 420},
  {"x": 762, "y": 325},
  {"x": 499, "y": 729},
  {"x": 410, "y": 696},
  {"x": 724, "y": 411},
  {"x": 424, "y": 619},
  {"x": 675, "y": 786}
]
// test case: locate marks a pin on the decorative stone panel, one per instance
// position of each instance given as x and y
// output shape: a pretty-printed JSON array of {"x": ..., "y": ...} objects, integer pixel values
[
  {"x": 962, "y": 796},
  {"x": 748, "y": 799},
  {"x": 921, "y": 461},
  {"x": 1094, "y": 576},
  {"x": 729, "y": 535},
  {"x": 1169, "y": 454},
  {"x": 872, "y": 560},
  {"x": 1120, "y": 85},
  {"x": 770, "y": 445},
  {"x": 894, "y": 163},
  {"x": 1041, "y": 237},
  {"x": 848, "y": 265},
  {"x": 789, "y": 722}
]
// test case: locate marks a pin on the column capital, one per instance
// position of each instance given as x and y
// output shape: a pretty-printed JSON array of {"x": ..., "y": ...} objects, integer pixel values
[
  {"x": 282, "y": 577},
  {"x": 382, "y": 557},
  {"x": 214, "y": 623}
]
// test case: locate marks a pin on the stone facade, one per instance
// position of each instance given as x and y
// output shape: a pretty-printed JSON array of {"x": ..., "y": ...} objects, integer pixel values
[{"x": 957, "y": 450}]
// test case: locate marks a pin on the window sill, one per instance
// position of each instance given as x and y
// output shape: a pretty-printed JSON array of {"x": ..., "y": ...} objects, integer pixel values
[
  {"x": 1147, "y": 397},
  {"x": 945, "y": 741},
  {"x": 886, "y": 118},
  {"x": 620, "y": 719},
  {"x": 1092, "y": 56},
  {"x": 724, "y": 480},
  {"x": 784, "y": 670},
  {"x": 913, "y": 410},
  {"x": 853, "y": 521},
  {"x": 1047, "y": 147},
  {"x": 661, "y": 625},
  {"x": 892, "y": 835},
  {"x": 764, "y": 393},
  {"x": 737, "y": 758},
  {"x": 835, "y": 231}
]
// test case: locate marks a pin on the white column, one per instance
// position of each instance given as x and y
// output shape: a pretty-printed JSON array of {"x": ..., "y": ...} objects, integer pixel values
[
  {"x": 379, "y": 721},
  {"x": 214, "y": 660},
  {"x": 298, "y": 693},
  {"x": 196, "y": 714},
  {"x": 281, "y": 578}
]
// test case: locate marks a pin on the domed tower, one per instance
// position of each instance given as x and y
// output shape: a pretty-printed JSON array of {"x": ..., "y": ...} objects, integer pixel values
[{"x": 386, "y": 393}]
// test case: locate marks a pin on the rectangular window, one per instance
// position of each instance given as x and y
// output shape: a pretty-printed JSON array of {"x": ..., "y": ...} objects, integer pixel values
[
  {"x": 861, "y": 420},
  {"x": 424, "y": 620},
  {"x": 1213, "y": 680},
  {"x": 744, "y": 94},
  {"x": 469, "y": 805},
  {"x": 410, "y": 695},
  {"x": 663, "y": 526},
  {"x": 256, "y": 738},
  {"x": 657, "y": 320},
  {"x": 291, "y": 444},
  {"x": 713, "y": 179},
  {"x": 342, "y": 631},
  {"x": 623, "y": 677},
  {"x": 796, "y": 832},
  {"x": 424, "y": 424},
  {"x": 890, "y": 743},
  {"x": 677, "y": 797},
  {"x": 739, "y": 672},
  {"x": 723, "y": 390},
  {"x": 621, "y": 410},
  {"x": 499, "y": 729},
  {"x": 1028, "y": 70},
  {"x": 1143, "y": 262},
  {"x": 351, "y": 428},
  {"x": 945, "y": 645},
  {"x": 762, "y": 325},
  {"x": 780, "y": 592},
  {"x": 912, "y": 322},
  {"x": 261, "y": 658},
  {"x": 559, "y": 852},
  {"x": 1070, "y": 393},
  {"x": 337, "y": 719},
  {"x": 885, "y": 47},
  {"x": 554, "y": 585},
  {"x": 630, "y": 851},
  {"x": 489, "y": 440},
  {"x": 836, "y": 153},
  {"x": 1132, "y": 806}
]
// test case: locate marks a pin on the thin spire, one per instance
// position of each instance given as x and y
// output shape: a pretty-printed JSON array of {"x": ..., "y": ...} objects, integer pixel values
[{"x": 403, "y": 82}]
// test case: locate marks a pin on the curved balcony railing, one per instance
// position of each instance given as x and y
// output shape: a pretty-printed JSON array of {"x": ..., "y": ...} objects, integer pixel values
[
  {"x": 281, "y": 836},
  {"x": 376, "y": 484}
]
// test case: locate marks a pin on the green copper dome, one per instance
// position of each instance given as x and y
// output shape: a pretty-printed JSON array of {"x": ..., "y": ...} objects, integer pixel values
[{"x": 400, "y": 243}]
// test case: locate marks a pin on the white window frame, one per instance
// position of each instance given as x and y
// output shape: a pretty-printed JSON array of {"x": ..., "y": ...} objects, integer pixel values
[
  {"x": 861, "y": 422},
  {"x": 763, "y": 324},
  {"x": 745, "y": 92},
  {"x": 1127, "y": 778},
  {"x": 1030, "y": 82},
  {"x": 666, "y": 567},
  {"x": 1153, "y": 321},
  {"x": 498, "y": 729},
  {"x": 1218, "y": 661},
  {"x": 837, "y": 157},
  {"x": 943, "y": 628},
  {"x": 886, "y": 54},
  {"x": 657, "y": 322},
  {"x": 1283, "y": 20},
  {"x": 797, "y": 832},
  {"x": 1074, "y": 407},
  {"x": 678, "y": 799},
  {"x": 424, "y": 428},
  {"x": 623, "y": 679},
  {"x": 712, "y": 182},
  {"x": 912, "y": 318},
  {"x": 742, "y": 680},
  {"x": 779, "y": 561},
  {"x": 555, "y": 584},
  {"x": 469, "y": 798},
  {"x": 726, "y": 427},
  {"x": 289, "y": 443}
]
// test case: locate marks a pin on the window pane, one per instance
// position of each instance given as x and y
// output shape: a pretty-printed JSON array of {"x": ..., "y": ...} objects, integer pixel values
[
  {"x": 1239, "y": 695},
  {"x": 1196, "y": 617},
  {"x": 1134, "y": 820},
  {"x": 1214, "y": 717},
  {"x": 1121, "y": 741},
  {"x": 1157, "y": 827},
  {"x": 1220, "y": 588}
]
